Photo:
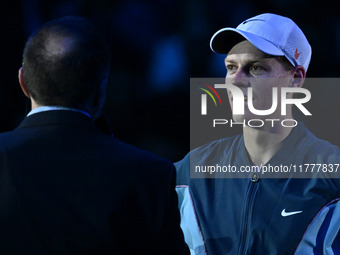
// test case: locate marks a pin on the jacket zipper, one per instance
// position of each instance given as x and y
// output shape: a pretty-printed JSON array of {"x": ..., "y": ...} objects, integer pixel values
[{"x": 252, "y": 190}]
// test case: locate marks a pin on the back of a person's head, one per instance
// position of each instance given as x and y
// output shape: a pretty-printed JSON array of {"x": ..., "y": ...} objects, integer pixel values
[{"x": 65, "y": 62}]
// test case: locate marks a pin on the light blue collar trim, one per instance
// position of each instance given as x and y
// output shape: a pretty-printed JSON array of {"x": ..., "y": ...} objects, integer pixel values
[{"x": 53, "y": 108}]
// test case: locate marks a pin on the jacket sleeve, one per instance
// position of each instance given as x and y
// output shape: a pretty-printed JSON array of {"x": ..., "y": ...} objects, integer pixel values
[
  {"x": 172, "y": 239},
  {"x": 189, "y": 220},
  {"x": 323, "y": 234}
]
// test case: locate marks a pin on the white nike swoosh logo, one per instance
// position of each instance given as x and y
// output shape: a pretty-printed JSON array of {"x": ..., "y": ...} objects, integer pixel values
[{"x": 285, "y": 214}]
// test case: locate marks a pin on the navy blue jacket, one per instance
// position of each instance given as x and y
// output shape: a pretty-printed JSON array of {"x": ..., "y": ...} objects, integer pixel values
[
  {"x": 227, "y": 214},
  {"x": 67, "y": 188}
]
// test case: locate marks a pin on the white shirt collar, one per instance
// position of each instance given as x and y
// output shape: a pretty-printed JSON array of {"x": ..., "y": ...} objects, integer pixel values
[{"x": 53, "y": 108}]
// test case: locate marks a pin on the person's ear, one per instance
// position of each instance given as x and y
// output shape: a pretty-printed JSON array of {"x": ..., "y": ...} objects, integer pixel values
[
  {"x": 22, "y": 83},
  {"x": 299, "y": 75},
  {"x": 99, "y": 98}
]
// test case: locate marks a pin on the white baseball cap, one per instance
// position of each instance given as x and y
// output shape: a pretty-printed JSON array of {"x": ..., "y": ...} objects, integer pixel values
[{"x": 270, "y": 33}]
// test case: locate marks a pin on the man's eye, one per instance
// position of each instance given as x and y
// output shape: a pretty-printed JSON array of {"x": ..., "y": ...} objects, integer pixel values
[
  {"x": 230, "y": 67},
  {"x": 256, "y": 68}
]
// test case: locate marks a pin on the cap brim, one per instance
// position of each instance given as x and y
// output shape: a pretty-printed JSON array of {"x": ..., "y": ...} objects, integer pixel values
[{"x": 224, "y": 39}]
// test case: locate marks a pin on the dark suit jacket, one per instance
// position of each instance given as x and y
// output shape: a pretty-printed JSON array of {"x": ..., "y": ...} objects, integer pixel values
[{"x": 67, "y": 188}]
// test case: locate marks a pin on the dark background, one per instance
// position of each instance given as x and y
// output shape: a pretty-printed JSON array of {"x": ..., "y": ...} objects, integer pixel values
[{"x": 157, "y": 47}]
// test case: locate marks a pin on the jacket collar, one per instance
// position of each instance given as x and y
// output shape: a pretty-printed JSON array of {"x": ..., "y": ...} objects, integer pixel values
[{"x": 57, "y": 117}]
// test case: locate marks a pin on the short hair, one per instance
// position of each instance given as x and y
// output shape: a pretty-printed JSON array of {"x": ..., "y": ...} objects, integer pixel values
[
  {"x": 65, "y": 62},
  {"x": 284, "y": 62}
]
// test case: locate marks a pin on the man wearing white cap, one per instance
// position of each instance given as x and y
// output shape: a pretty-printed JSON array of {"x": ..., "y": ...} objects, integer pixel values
[{"x": 257, "y": 215}]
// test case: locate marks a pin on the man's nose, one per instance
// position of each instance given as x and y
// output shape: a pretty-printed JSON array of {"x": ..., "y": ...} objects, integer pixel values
[{"x": 239, "y": 79}]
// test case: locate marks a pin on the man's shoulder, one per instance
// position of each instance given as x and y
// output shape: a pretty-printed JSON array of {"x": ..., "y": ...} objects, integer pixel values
[
  {"x": 216, "y": 146},
  {"x": 8, "y": 137},
  {"x": 105, "y": 148},
  {"x": 134, "y": 153},
  {"x": 317, "y": 149},
  {"x": 223, "y": 147}
]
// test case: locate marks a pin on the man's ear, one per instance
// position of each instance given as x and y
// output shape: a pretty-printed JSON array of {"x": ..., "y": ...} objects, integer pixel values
[
  {"x": 299, "y": 75},
  {"x": 22, "y": 83},
  {"x": 98, "y": 99}
]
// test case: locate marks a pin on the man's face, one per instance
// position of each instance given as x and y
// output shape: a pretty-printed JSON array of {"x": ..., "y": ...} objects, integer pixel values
[{"x": 248, "y": 67}]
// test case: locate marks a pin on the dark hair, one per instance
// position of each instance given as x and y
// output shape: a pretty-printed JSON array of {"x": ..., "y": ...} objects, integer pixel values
[
  {"x": 284, "y": 62},
  {"x": 65, "y": 62}
]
